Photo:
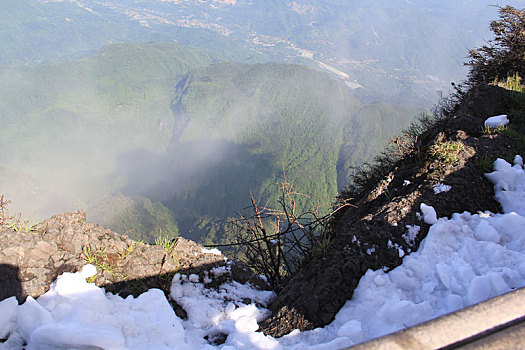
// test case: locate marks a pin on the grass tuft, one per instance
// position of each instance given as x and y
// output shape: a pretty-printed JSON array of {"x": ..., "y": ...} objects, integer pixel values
[
  {"x": 99, "y": 259},
  {"x": 513, "y": 82},
  {"x": 447, "y": 152},
  {"x": 168, "y": 244}
]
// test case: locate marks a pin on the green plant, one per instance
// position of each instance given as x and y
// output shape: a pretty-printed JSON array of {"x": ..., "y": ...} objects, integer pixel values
[
  {"x": 513, "y": 83},
  {"x": 518, "y": 137},
  {"x": 322, "y": 246},
  {"x": 166, "y": 243},
  {"x": 100, "y": 259},
  {"x": 23, "y": 226},
  {"x": 485, "y": 163},
  {"x": 447, "y": 152},
  {"x": 129, "y": 250},
  {"x": 487, "y": 130}
]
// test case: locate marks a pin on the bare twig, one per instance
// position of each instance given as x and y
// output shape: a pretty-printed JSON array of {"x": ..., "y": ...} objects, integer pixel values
[{"x": 274, "y": 241}]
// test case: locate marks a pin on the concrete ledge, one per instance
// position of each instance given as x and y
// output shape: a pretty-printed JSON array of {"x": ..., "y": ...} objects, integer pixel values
[{"x": 462, "y": 327}]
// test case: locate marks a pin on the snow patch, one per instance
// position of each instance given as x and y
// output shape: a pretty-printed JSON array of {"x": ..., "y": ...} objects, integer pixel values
[
  {"x": 411, "y": 234},
  {"x": 509, "y": 185},
  {"x": 429, "y": 214},
  {"x": 495, "y": 121},
  {"x": 214, "y": 251},
  {"x": 440, "y": 188}
]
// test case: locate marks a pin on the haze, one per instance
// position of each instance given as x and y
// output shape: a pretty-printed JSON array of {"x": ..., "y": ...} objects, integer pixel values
[{"x": 85, "y": 125}]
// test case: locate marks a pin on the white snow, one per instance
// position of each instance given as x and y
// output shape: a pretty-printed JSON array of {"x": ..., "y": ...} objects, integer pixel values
[
  {"x": 439, "y": 188},
  {"x": 214, "y": 251},
  {"x": 497, "y": 120},
  {"x": 211, "y": 312},
  {"x": 509, "y": 185},
  {"x": 518, "y": 160},
  {"x": 411, "y": 234},
  {"x": 220, "y": 270},
  {"x": 400, "y": 250},
  {"x": 462, "y": 261},
  {"x": 429, "y": 214}
]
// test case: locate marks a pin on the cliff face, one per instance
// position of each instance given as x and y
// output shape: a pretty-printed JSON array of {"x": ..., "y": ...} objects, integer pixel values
[{"x": 457, "y": 151}]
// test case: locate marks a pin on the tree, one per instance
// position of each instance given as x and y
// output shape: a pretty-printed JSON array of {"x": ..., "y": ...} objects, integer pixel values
[{"x": 504, "y": 55}]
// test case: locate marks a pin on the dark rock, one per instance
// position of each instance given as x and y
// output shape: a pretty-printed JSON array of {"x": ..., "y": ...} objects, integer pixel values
[{"x": 10, "y": 284}]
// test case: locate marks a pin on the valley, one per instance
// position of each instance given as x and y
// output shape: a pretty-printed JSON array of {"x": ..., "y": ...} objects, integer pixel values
[
  {"x": 403, "y": 54},
  {"x": 139, "y": 123},
  {"x": 149, "y": 105}
]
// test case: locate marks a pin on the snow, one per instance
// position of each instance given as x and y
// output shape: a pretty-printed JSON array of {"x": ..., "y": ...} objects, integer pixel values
[
  {"x": 220, "y": 270},
  {"x": 411, "y": 234},
  {"x": 429, "y": 214},
  {"x": 440, "y": 188},
  {"x": 213, "y": 251},
  {"x": 495, "y": 121},
  {"x": 509, "y": 185},
  {"x": 8, "y": 309},
  {"x": 463, "y": 260}
]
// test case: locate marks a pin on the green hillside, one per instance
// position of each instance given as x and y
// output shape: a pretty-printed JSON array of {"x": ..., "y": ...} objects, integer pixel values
[
  {"x": 399, "y": 53},
  {"x": 149, "y": 136},
  {"x": 64, "y": 125},
  {"x": 238, "y": 126},
  {"x": 37, "y": 32}
]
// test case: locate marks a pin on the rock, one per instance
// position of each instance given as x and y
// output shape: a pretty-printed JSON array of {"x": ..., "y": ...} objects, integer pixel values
[{"x": 31, "y": 261}]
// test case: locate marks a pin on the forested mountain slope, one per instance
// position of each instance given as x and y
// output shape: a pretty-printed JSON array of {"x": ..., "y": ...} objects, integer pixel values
[
  {"x": 64, "y": 124},
  {"x": 237, "y": 127},
  {"x": 143, "y": 120},
  {"x": 400, "y": 53}
]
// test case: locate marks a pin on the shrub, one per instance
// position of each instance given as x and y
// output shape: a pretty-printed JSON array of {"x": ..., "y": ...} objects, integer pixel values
[
  {"x": 274, "y": 242},
  {"x": 505, "y": 54},
  {"x": 12, "y": 221}
]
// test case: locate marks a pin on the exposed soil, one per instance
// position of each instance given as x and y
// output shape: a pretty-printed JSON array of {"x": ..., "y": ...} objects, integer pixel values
[{"x": 370, "y": 235}]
